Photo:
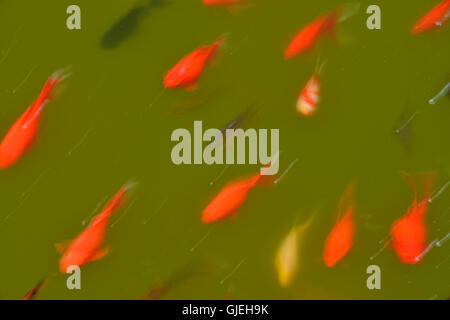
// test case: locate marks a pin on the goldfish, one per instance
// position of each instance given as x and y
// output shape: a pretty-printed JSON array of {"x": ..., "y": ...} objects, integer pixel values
[
  {"x": 237, "y": 122},
  {"x": 434, "y": 18},
  {"x": 308, "y": 36},
  {"x": 340, "y": 240},
  {"x": 32, "y": 294},
  {"x": 126, "y": 26},
  {"x": 309, "y": 96},
  {"x": 409, "y": 232},
  {"x": 86, "y": 246},
  {"x": 240, "y": 119},
  {"x": 187, "y": 71},
  {"x": 286, "y": 260},
  {"x": 229, "y": 199},
  {"x": 23, "y": 131},
  {"x": 220, "y": 2}
]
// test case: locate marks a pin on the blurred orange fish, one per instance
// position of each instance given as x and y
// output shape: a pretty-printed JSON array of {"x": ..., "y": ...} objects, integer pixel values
[
  {"x": 86, "y": 246},
  {"x": 340, "y": 239},
  {"x": 435, "y": 18},
  {"x": 308, "y": 36},
  {"x": 23, "y": 131},
  {"x": 229, "y": 199},
  {"x": 187, "y": 71},
  {"x": 220, "y": 2},
  {"x": 409, "y": 233},
  {"x": 32, "y": 294}
]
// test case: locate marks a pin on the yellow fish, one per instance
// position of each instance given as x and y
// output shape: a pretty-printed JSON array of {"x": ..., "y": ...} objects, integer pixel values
[{"x": 286, "y": 260}]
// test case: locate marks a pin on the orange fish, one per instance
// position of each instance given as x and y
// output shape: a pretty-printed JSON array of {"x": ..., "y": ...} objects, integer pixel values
[
  {"x": 436, "y": 17},
  {"x": 409, "y": 232},
  {"x": 187, "y": 71},
  {"x": 340, "y": 239},
  {"x": 229, "y": 199},
  {"x": 310, "y": 96},
  {"x": 86, "y": 246},
  {"x": 307, "y": 37},
  {"x": 23, "y": 131},
  {"x": 220, "y": 2},
  {"x": 32, "y": 294}
]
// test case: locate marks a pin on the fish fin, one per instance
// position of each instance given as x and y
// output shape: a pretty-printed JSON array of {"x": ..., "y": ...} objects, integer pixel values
[
  {"x": 425, "y": 179},
  {"x": 192, "y": 87},
  {"x": 46, "y": 94},
  {"x": 100, "y": 254},
  {"x": 300, "y": 227},
  {"x": 347, "y": 200},
  {"x": 61, "y": 247},
  {"x": 234, "y": 215}
]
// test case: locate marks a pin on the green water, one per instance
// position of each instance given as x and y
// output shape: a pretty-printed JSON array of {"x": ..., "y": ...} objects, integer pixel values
[{"x": 112, "y": 121}]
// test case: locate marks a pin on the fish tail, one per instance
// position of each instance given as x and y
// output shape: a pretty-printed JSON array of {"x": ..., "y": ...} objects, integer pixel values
[
  {"x": 331, "y": 19},
  {"x": 50, "y": 84},
  {"x": 119, "y": 198},
  {"x": 426, "y": 179},
  {"x": 346, "y": 11},
  {"x": 216, "y": 45},
  {"x": 299, "y": 227},
  {"x": 429, "y": 179},
  {"x": 35, "y": 109},
  {"x": 347, "y": 200}
]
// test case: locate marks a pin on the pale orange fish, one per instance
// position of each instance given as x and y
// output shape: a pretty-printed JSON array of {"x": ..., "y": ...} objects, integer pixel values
[
  {"x": 340, "y": 239},
  {"x": 287, "y": 257},
  {"x": 86, "y": 246}
]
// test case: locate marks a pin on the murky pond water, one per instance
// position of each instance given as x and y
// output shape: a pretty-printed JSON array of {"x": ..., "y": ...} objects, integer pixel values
[{"x": 112, "y": 120}]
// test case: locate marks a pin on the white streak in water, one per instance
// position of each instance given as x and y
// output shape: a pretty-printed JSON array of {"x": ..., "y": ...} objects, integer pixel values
[
  {"x": 407, "y": 122},
  {"x": 203, "y": 239},
  {"x": 220, "y": 175},
  {"x": 286, "y": 171},
  {"x": 430, "y": 246},
  {"x": 437, "y": 194},
  {"x": 24, "y": 80},
  {"x": 25, "y": 195},
  {"x": 386, "y": 243},
  {"x": 233, "y": 271},
  {"x": 157, "y": 98},
  {"x": 443, "y": 240},
  {"x": 124, "y": 213},
  {"x": 441, "y": 93},
  {"x": 82, "y": 140},
  {"x": 99, "y": 204},
  {"x": 156, "y": 211}
]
